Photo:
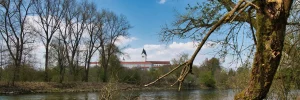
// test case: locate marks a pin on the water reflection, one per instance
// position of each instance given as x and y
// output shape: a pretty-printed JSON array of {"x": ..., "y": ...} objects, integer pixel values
[
  {"x": 53, "y": 96},
  {"x": 184, "y": 95},
  {"x": 130, "y": 95},
  {"x": 217, "y": 95},
  {"x": 137, "y": 95}
]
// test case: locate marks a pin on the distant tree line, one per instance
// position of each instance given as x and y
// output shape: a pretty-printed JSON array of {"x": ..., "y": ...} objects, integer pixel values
[{"x": 71, "y": 32}]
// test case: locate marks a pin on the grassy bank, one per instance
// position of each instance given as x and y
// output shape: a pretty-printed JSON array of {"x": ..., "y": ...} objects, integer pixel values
[{"x": 52, "y": 87}]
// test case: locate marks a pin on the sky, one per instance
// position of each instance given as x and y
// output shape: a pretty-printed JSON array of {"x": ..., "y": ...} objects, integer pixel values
[{"x": 147, "y": 18}]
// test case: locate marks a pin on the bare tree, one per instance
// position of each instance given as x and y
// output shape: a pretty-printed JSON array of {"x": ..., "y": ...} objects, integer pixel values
[
  {"x": 60, "y": 56},
  {"x": 3, "y": 57},
  {"x": 14, "y": 15},
  {"x": 50, "y": 15},
  {"x": 94, "y": 26},
  {"x": 113, "y": 27},
  {"x": 3, "y": 54},
  {"x": 267, "y": 20},
  {"x": 72, "y": 31}
]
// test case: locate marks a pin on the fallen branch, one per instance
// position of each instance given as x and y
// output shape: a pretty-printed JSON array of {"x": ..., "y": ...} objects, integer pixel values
[
  {"x": 165, "y": 74},
  {"x": 188, "y": 64}
]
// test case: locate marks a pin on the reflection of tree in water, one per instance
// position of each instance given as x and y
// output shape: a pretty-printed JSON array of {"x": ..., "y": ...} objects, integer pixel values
[
  {"x": 216, "y": 94},
  {"x": 209, "y": 95},
  {"x": 130, "y": 95},
  {"x": 133, "y": 95},
  {"x": 183, "y": 95}
]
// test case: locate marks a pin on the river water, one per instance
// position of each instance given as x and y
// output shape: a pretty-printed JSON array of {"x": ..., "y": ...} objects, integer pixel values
[{"x": 139, "y": 95}]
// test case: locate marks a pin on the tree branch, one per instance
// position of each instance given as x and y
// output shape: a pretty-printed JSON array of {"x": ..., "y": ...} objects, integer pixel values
[
  {"x": 165, "y": 74},
  {"x": 294, "y": 23},
  {"x": 188, "y": 64},
  {"x": 251, "y": 27},
  {"x": 228, "y": 4}
]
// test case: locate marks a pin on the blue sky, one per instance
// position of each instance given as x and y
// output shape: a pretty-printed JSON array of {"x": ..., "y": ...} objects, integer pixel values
[{"x": 146, "y": 16}]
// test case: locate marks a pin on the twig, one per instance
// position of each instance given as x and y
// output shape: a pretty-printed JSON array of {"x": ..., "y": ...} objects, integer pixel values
[
  {"x": 251, "y": 27},
  {"x": 233, "y": 10},
  {"x": 257, "y": 8},
  {"x": 174, "y": 83},
  {"x": 240, "y": 11},
  {"x": 244, "y": 7},
  {"x": 165, "y": 75},
  {"x": 188, "y": 64}
]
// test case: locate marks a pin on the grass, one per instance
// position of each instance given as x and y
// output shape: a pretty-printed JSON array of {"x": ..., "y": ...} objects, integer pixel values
[{"x": 51, "y": 87}]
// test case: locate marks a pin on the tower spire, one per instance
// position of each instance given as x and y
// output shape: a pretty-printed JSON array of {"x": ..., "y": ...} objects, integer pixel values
[{"x": 144, "y": 54}]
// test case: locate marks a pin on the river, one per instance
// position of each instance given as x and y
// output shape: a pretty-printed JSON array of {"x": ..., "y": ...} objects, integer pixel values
[{"x": 140, "y": 95}]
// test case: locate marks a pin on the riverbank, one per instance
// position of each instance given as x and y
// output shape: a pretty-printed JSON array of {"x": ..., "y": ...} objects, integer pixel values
[{"x": 53, "y": 87}]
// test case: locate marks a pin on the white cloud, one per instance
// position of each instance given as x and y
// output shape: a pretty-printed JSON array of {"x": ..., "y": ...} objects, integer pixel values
[
  {"x": 39, "y": 53},
  {"x": 124, "y": 40},
  {"x": 151, "y": 47},
  {"x": 155, "y": 52},
  {"x": 162, "y": 52},
  {"x": 162, "y": 1},
  {"x": 187, "y": 45}
]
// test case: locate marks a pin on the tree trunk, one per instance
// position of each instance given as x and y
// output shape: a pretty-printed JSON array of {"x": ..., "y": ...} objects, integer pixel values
[
  {"x": 73, "y": 71},
  {"x": 270, "y": 33},
  {"x": 61, "y": 73},
  {"x": 105, "y": 75},
  {"x": 16, "y": 76},
  {"x": 46, "y": 62},
  {"x": 87, "y": 69},
  {"x": 76, "y": 73},
  {"x": 104, "y": 65},
  {"x": 86, "y": 78},
  {"x": 61, "y": 68}
]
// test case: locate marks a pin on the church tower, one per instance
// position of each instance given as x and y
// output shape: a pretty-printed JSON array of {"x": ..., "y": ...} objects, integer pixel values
[{"x": 144, "y": 55}]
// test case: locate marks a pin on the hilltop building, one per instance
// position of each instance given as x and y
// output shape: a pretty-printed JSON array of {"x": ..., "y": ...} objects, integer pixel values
[{"x": 144, "y": 64}]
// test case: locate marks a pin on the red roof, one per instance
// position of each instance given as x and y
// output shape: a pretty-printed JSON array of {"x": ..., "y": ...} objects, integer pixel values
[
  {"x": 94, "y": 63},
  {"x": 160, "y": 62},
  {"x": 135, "y": 62},
  {"x": 141, "y": 62},
  {"x": 148, "y": 62}
]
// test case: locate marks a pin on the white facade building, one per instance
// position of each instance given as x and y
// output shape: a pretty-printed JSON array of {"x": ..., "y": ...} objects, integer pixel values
[{"x": 144, "y": 64}]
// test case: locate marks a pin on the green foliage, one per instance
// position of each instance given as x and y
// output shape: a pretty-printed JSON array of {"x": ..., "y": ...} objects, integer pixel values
[
  {"x": 28, "y": 73},
  {"x": 101, "y": 74},
  {"x": 221, "y": 79},
  {"x": 154, "y": 73},
  {"x": 239, "y": 79},
  {"x": 94, "y": 74},
  {"x": 183, "y": 57},
  {"x": 207, "y": 79},
  {"x": 115, "y": 68},
  {"x": 231, "y": 72},
  {"x": 7, "y": 73},
  {"x": 208, "y": 73},
  {"x": 131, "y": 76}
]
